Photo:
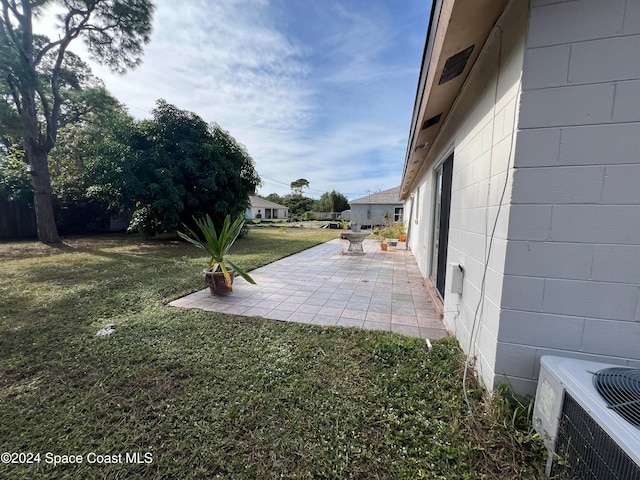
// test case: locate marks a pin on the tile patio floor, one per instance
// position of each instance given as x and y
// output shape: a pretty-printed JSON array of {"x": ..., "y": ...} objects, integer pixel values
[{"x": 380, "y": 290}]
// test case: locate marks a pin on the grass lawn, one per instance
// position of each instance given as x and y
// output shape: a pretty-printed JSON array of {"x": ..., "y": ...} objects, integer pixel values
[{"x": 206, "y": 395}]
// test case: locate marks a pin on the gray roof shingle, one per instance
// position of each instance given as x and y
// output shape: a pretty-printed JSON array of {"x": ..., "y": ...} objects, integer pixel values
[
  {"x": 386, "y": 196},
  {"x": 258, "y": 202}
]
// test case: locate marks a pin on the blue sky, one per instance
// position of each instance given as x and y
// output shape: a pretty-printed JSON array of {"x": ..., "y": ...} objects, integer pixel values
[{"x": 322, "y": 90}]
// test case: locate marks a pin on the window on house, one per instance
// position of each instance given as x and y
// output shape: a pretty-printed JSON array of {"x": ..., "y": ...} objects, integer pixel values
[
  {"x": 398, "y": 214},
  {"x": 440, "y": 231}
]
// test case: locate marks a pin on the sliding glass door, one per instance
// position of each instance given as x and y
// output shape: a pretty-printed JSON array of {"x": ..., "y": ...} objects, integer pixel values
[{"x": 440, "y": 232}]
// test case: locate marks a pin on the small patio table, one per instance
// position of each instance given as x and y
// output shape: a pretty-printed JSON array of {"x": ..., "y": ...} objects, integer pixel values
[{"x": 355, "y": 242}]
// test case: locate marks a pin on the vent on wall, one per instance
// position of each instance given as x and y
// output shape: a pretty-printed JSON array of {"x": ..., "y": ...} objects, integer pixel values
[
  {"x": 455, "y": 65},
  {"x": 431, "y": 121}
]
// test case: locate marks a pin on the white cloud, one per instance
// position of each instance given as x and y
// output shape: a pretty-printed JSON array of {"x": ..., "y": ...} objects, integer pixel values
[{"x": 318, "y": 90}]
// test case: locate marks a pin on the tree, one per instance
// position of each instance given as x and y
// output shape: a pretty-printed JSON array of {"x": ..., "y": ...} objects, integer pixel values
[
  {"x": 299, "y": 185},
  {"x": 333, "y": 202},
  {"x": 169, "y": 169},
  {"x": 14, "y": 180},
  {"x": 275, "y": 198},
  {"x": 43, "y": 86},
  {"x": 76, "y": 211},
  {"x": 298, "y": 204},
  {"x": 75, "y": 145}
]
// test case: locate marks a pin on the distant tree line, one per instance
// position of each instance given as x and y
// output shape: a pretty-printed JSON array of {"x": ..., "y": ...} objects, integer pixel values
[{"x": 299, "y": 204}]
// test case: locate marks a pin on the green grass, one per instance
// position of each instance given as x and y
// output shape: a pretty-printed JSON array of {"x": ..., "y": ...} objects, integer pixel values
[{"x": 220, "y": 396}]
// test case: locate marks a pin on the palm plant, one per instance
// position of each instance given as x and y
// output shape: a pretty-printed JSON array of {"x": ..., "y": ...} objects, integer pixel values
[{"x": 217, "y": 245}]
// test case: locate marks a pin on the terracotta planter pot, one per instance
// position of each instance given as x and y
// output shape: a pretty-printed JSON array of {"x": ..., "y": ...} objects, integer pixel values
[
  {"x": 383, "y": 247},
  {"x": 402, "y": 237},
  {"x": 216, "y": 282}
]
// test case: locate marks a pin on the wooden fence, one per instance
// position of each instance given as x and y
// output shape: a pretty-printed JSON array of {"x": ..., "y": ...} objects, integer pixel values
[{"x": 17, "y": 220}]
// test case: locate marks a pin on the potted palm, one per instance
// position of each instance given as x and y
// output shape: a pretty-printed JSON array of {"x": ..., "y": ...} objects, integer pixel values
[
  {"x": 391, "y": 233},
  {"x": 220, "y": 270},
  {"x": 380, "y": 234},
  {"x": 402, "y": 233}
]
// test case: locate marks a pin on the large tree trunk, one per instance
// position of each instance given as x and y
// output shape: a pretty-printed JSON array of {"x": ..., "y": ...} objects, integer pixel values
[{"x": 42, "y": 197}]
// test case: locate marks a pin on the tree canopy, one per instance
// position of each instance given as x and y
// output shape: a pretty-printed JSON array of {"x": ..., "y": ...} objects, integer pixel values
[
  {"x": 166, "y": 170},
  {"x": 275, "y": 198},
  {"x": 333, "y": 202},
  {"x": 43, "y": 86},
  {"x": 298, "y": 204},
  {"x": 297, "y": 186}
]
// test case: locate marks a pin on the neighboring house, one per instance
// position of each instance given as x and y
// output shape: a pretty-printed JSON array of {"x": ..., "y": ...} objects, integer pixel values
[
  {"x": 261, "y": 208},
  {"x": 370, "y": 210},
  {"x": 523, "y": 167}
]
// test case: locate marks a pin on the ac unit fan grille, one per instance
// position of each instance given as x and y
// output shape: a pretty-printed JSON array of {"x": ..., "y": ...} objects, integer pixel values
[
  {"x": 620, "y": 388},
  {"x": 584, "y": 451}
]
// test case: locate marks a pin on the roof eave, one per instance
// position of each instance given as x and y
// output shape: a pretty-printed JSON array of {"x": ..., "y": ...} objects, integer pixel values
[{"x": 454, "y": 26}]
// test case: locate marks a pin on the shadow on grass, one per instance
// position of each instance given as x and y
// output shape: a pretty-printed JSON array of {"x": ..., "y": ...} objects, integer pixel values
[
  {"x": 52, "y": 293},
  {"x": 213, "y": 394}
]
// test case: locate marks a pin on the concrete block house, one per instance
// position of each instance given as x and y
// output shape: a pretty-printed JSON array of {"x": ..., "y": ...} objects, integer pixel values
[
  {"x": 264, "y": 209},
  {"x": 522, "y": 176},
  {"x": 371, "y": 210}
]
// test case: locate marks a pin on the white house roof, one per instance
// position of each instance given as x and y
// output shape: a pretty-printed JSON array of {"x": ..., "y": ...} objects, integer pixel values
[
  {"x": 258, "y": 202},
  {"x": 385, "y": 197}
]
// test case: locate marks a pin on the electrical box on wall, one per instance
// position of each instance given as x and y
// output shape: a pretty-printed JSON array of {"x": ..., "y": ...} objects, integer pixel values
[{"x": 457, "y": 276}]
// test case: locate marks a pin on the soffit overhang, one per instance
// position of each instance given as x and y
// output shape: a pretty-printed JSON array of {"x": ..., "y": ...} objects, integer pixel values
[{"x": 455, "y": 25}]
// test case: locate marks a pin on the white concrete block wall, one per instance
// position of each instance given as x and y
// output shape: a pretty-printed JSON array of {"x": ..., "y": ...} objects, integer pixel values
[
  {"x": 483, "y": 175},
  {"x": 572, "y": 269},
  {"x": 419, "y": 208},
  {"x": 480, "y": 132}
]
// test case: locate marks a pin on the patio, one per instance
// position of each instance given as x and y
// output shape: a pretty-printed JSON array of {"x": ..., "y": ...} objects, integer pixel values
[{"x": 321, "y": 285}]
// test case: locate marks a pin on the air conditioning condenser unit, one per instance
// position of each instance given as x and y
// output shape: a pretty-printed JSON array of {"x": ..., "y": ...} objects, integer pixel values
[{"x": 588, "y": 415}]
